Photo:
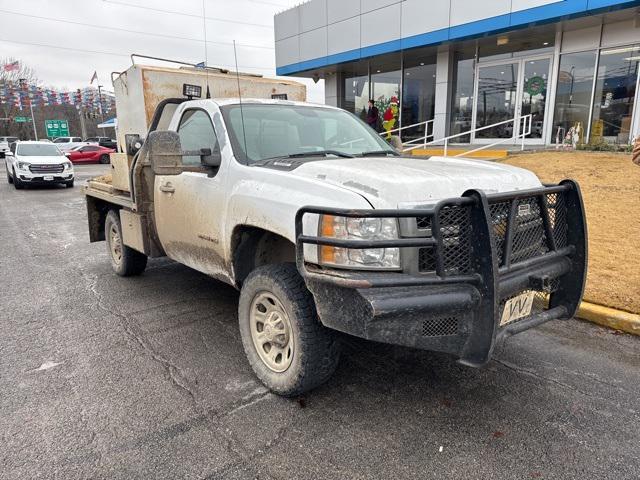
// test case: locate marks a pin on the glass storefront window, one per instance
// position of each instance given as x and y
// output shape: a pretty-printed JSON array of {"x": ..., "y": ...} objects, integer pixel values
[
  {"x": 356, "y": 90},
  {"x": 386, "y": 78},
  {"x": 573, "y": 96},
  {"x": 614, "y": 95},
  {"x": 419, "y": 93},
  {"x": 462, "y": 98}
]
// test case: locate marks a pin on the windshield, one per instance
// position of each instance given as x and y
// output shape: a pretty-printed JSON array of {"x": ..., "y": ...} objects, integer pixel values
[
  {"x": 275, "y": 130},
  {"x": 43, "y": 150}
]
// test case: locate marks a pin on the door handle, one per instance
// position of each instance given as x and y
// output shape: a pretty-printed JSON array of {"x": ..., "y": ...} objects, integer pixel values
[{"x": 167, "y": 187}]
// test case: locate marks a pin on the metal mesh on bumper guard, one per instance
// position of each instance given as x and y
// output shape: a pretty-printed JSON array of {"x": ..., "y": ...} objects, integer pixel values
[{"x": 473, "y": 254}]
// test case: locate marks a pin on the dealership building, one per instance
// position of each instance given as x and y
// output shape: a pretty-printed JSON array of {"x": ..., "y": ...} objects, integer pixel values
[{"x": 550, "y": 67}]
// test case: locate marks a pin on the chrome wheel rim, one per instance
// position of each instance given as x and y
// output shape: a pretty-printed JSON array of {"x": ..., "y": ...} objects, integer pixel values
[
  {"x": 271, "y": 332},
  {"x": 115, "y": 244}
]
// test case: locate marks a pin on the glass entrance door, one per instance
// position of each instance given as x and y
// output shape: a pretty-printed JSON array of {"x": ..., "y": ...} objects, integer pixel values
[
  {"x": 497, "y": 100},
  {"x": 507, "y": 91}
]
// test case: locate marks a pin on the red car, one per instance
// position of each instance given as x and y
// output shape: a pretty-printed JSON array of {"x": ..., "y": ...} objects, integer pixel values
[{"x": 89, "y": 154}]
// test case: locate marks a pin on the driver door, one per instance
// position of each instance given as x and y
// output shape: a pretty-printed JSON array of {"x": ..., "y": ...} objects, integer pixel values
[{"x": 189, "y": 206}]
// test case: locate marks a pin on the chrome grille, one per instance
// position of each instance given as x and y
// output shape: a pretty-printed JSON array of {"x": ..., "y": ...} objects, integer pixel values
[{"x": 46, "y": 169}]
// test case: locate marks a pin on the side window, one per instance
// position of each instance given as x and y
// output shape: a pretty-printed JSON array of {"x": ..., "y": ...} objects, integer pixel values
[
  {"x": 13, "y": 148},
  {"x": 196, "y": 132},
  {"x": 76, "y": 139}
]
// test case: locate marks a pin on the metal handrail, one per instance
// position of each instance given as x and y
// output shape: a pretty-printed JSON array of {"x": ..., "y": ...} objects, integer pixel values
[
  {"x": 419, "y": 139},
  {"x": 527, "y": 124}
]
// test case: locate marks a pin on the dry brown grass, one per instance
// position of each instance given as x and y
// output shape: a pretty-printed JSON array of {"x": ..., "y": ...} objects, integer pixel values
[{"x": 610, "y": 186}]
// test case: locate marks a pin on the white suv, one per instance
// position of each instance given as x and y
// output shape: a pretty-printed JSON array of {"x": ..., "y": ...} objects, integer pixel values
[{"x": 37, "y": 163}]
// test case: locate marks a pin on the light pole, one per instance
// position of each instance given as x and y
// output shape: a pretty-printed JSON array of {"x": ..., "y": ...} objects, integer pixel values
[
  {"x": 23, "y": 85},
  {"x": 100, "y": 108}
]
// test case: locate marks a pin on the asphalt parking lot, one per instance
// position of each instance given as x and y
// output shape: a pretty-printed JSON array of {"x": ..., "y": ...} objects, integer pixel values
[{"x": 105, "y": 377}]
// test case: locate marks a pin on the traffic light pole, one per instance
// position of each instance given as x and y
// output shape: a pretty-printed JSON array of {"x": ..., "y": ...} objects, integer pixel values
[{"x": 83, "y": 127}]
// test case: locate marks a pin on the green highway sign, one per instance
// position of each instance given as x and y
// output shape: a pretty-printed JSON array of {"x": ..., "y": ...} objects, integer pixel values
[
  {"x": 57, "y": 128},
  {"x": 21, "y": 119}
]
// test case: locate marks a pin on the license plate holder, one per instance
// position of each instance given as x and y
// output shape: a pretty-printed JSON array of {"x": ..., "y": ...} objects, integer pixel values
[
  {"x": 517, "y": 307},
  {"x": 48, "y": 177}
]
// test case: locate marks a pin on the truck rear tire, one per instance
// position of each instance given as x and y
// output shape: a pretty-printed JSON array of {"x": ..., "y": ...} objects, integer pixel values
[
  {"x": 125, "y": 261},
  {"x": 288, "y": 348}
]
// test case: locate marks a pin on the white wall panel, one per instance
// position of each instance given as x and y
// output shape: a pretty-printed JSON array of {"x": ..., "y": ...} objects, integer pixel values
[
  {"x": 344, "y": 36},
  {"x": 287, "y": 51},
  {"x": 621, "y": 33},
  {"x": 369, "y": 5},
  {"x": 583, "y": 39},
  {"x": 465, "y": 11},
  {"x": 313, "y": 15},
  {"x": 313, "y": 44},
  {"x": 380, "y": 26},
  {"x": 342, "y": 9},
  {"x": 419, "y": 16},
  {"x": 518, "y": 5},
  {"x": 287, "y": 24}
]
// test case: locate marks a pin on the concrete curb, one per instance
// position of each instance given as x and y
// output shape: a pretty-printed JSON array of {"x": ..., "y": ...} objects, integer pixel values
[{"x": 610, "y": 317}]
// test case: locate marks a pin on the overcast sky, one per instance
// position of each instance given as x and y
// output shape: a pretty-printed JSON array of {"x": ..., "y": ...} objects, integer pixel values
[{"x": 65, "y": 54}]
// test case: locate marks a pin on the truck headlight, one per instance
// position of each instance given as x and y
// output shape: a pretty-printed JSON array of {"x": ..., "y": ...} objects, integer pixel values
[
  {"x": 68, "y": 166},
  {"x": 359, "y": 229},
  {"x": 23, "y": 165}
]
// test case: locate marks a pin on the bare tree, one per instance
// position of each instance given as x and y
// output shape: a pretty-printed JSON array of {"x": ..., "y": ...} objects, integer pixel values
[{"x": 13, "y": 77}]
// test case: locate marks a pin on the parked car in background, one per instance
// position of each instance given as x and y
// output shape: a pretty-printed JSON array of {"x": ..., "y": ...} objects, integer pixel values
[
  {"x": 67, "y": 143},
  {"x": 37, "y": 163},
  {"x": 103, "y": 142},
  {"x": 5, "y": 143},
  {"x": 89, "y": 154}
]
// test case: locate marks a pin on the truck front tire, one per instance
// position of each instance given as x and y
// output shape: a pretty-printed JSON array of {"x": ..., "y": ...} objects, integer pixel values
[
  {"x": 288, "y": 348},
  {"x": 9, "y": 177},
  {"x": 125, "y": 261},
  {"x": 16, "y": 181}
]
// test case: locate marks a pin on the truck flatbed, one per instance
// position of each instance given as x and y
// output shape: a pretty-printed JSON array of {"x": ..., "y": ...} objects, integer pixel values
[{"x": 101, "y": 187}]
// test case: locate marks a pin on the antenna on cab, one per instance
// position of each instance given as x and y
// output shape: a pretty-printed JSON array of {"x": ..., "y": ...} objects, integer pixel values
[{"x": 244, "y": 135}]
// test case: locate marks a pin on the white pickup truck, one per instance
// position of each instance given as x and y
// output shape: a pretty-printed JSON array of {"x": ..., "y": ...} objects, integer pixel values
[{"x": 325, "y": 228}]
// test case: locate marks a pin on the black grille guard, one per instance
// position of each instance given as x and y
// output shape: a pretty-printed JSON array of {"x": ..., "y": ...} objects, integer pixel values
[{"x": 508, "y": 249}]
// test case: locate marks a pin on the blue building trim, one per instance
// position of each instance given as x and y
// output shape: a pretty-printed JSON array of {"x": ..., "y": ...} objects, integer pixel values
[{"x": 544, "y": 14}]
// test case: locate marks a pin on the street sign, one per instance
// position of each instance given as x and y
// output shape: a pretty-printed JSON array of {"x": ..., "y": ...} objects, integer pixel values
[
  {"x": 57, "y": 128},
  {"x": 21, "y": 119}
]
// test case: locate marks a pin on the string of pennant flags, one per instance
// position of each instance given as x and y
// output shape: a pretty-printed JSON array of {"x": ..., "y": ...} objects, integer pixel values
[{"x": 22, "y": 96}]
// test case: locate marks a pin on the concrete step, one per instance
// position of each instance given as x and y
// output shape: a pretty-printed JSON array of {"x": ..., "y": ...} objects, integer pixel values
[{"x": 452, "y": 152}]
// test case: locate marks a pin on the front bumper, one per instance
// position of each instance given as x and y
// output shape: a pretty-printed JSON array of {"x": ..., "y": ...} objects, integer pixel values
[
  {"x": 39, "y": 178},
  {"x": 457, "y": 308}
]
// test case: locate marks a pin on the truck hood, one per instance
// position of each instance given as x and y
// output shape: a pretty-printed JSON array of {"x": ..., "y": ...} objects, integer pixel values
[{"x": 400, "y": 182}]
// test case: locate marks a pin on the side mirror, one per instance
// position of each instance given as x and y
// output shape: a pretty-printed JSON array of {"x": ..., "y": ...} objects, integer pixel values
[
  {"x": 67, "y": 154},
  {"x": 209, "y": 158},
  {"x": 165, "y": 152}
]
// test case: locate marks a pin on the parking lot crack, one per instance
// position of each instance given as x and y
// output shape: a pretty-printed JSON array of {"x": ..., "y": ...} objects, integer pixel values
[{"x": 174, "y": 373}]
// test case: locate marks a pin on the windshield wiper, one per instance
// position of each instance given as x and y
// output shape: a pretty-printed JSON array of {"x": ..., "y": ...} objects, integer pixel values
[
  {"x": 377, "y": 153},
  {"x": 319, "y": 153}
]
